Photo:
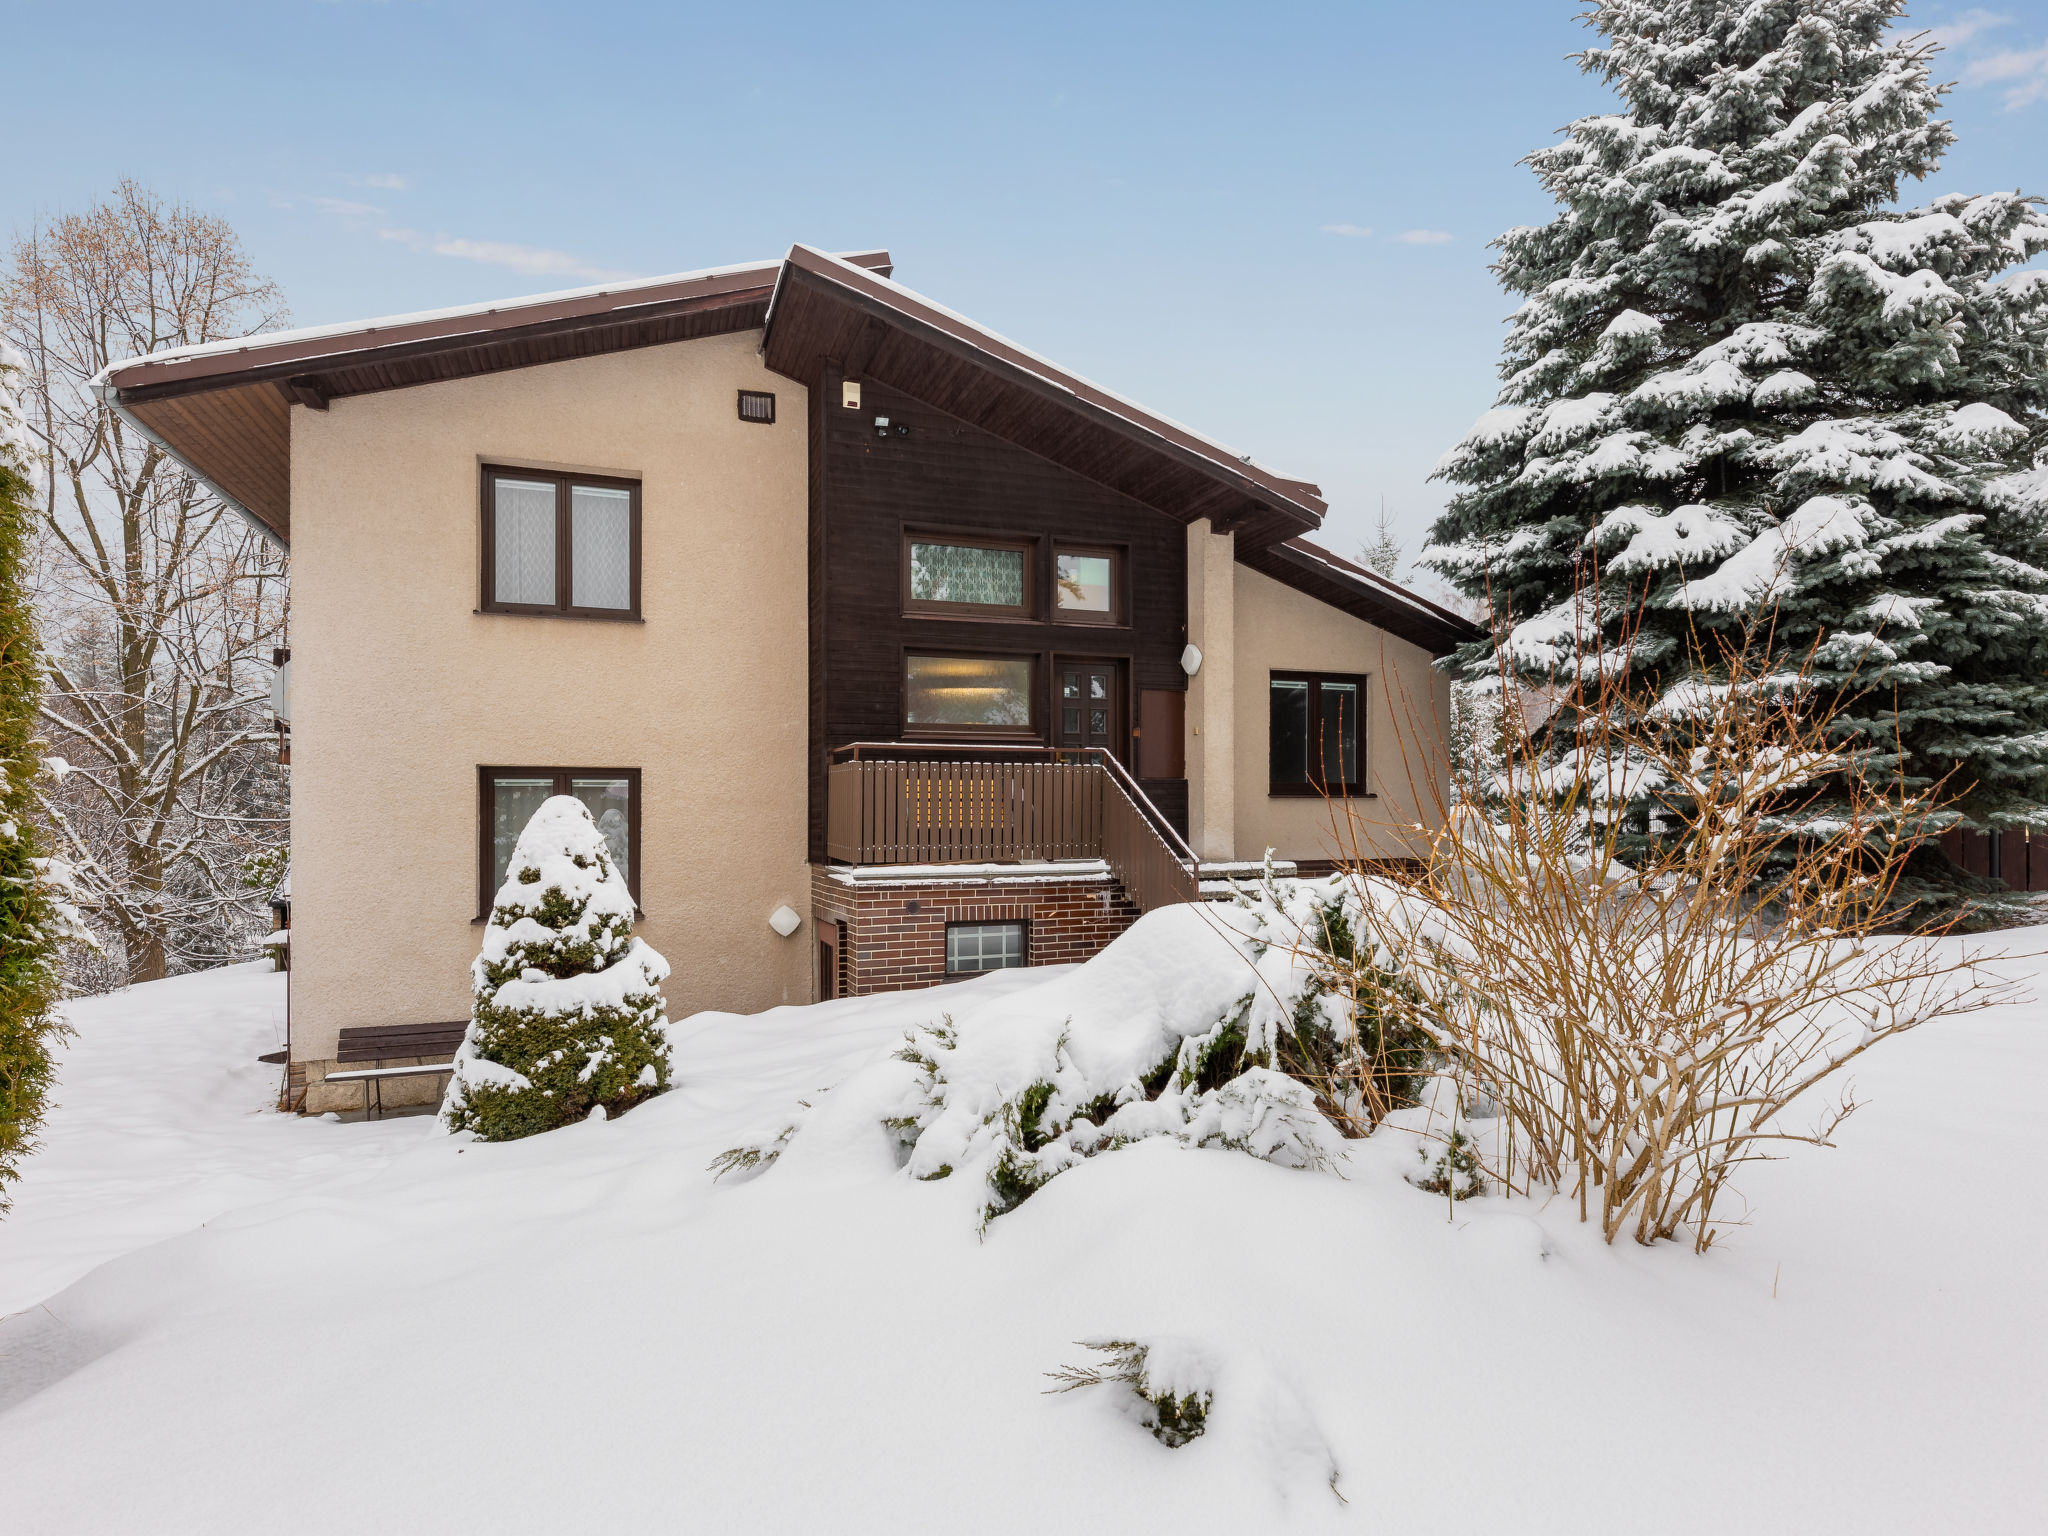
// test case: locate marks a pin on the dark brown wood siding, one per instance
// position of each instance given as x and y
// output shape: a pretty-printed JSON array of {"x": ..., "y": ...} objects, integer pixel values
[{"x": 867, "y": 489}]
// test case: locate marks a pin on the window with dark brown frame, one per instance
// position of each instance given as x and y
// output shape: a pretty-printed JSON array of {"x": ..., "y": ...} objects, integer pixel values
[
  {"x": 970, "y": 697},
  {"x": 567, "y": 545},
  {"x": 508, "y": 797},
  {"x": 1087, "y": 585},
  {"x": 964, "y": 577},
  {"x": 1317, "y": 740},
  {"x": 757, "y": 405}
]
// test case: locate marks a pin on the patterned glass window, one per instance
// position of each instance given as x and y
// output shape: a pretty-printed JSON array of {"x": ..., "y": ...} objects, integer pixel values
[
  {"x": 525, "y": 544},
  {"x": 601, "y": 547},
  {"x": 561, "y": 544},
  {"x": 943, "y": 574},
  {"x": 972, "y": 947}
]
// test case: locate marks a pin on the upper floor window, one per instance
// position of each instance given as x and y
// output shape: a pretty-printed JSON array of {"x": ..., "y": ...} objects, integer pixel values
[
  {"x": 1315, "y": 746},
  {"x": 969, "y": 577},
  {"x": 1087, "y": 585},
  {"x": 567, "y": 544}
]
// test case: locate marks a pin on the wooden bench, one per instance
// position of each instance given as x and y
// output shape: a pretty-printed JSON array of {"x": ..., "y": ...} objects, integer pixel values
[{"x": 382, "y": 1042}]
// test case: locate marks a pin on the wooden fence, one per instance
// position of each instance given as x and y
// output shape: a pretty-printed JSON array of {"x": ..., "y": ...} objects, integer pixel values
[{"x": 2017, "y": 858}]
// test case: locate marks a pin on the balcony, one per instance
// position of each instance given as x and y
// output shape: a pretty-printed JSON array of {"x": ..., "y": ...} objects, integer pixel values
[{"x": 920, "y": 803}]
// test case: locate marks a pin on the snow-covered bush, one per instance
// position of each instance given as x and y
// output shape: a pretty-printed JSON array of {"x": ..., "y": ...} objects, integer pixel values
[
  {"x": 568, "y": 1013},
  {"x": 1173, "y": 1382},
  {"x": 1239, "y": 1025}
]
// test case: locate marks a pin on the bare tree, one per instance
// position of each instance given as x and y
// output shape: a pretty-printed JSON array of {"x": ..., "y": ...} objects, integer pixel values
[{"x": 158, "y": 604}]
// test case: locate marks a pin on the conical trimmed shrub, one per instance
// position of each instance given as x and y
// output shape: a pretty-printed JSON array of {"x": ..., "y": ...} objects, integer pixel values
[{"x": 568, "y": 1013}]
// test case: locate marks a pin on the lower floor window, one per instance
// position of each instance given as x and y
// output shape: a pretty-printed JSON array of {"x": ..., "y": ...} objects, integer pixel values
[
  {"x": 508, "y": 797},
  {"x": 972, "y": 947},
  {"x": 1316, "y": 735},
  {"x": 968, "y": 694}
]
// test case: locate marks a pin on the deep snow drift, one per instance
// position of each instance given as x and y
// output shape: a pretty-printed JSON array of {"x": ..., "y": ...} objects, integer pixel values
[{"x": 327, "y": 1323}]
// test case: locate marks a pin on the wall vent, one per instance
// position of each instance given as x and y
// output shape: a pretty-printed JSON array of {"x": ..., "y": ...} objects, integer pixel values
[{"x": 757, "y": 405}]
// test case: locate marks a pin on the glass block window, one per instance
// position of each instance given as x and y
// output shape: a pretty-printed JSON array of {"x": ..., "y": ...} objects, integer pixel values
[
  {"x": 972, "y": 947},
  {"x": 561, "y": 544},
  {"x": 508, "y": 797},
  {"x": 968, "y": 693},
  {"x": 944, "y": 574},
  {"x": 1085, "y": 586},
  {"x": 1316, "y": 734}
]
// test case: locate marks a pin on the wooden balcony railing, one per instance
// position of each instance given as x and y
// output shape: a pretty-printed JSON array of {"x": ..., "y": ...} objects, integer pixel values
[{"x": 904, "y": 803}]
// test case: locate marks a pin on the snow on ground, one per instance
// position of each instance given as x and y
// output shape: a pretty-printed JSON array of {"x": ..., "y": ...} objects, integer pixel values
[{"x": 582, "y": 1329}]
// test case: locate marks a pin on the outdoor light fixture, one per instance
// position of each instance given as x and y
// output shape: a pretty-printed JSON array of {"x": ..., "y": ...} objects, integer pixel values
[
  {"x": 1191, "y": 659},
  {"x": 785, "y": 921},
  {"x": 849, "y": 394}
]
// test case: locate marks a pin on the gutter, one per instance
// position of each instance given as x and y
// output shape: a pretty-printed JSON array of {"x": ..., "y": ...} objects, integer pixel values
[{"x": 109, "y": 395}]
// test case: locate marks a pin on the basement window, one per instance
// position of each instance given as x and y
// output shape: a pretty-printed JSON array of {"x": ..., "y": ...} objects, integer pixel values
[
  {"x": 975, "y": 947},
  {"x": 757, "y": 405}
]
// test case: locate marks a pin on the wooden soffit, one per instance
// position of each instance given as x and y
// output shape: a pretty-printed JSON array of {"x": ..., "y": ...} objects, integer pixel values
[{"x": 831, "y": 316}]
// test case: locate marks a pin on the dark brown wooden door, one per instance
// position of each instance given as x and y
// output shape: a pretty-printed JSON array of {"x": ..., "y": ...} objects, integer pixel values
[{"x": 1088, "y": 708}]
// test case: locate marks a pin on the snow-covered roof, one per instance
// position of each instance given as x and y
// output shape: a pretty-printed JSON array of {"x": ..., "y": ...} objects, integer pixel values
[{"x": 309, "y": 343}]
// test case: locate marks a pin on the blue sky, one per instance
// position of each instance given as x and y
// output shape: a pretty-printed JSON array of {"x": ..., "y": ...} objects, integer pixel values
[{"x": 1268, "y": 220}]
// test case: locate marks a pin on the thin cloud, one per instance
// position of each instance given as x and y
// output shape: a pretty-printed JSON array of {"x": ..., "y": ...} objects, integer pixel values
[
  {"x": 1966, "y": 26},
  {"x": 532, "y": 260},
  {"x": 1425, "y": 237},
  {"x": 337, "y": 207},
  {"x": 1354, "y": 231},
  {"x": 2023, "y": 72},
  {"x": 383, "y": 181}
]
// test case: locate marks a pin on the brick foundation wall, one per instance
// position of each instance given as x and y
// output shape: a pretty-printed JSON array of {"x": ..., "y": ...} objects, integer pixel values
[{"x": 894, "y": 936}]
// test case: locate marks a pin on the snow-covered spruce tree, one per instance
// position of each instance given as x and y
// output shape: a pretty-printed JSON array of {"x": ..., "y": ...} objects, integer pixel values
[
  {"x": 568, "y": 1014},
  {"x": 32, "y": 918},
  {"x": 1746, "y": 384}
]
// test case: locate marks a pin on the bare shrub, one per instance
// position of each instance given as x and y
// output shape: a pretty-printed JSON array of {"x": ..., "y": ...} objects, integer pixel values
[{"x": 1653, "y": 934}]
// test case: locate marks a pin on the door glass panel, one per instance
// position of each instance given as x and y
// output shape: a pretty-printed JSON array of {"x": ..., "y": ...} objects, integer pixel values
[
  {"x": 608, "y": 803},
  {"x": 1098, "y": 722},
  {"x": 964, "y": 573},
  {"x": 1085, "y": 583},
  {"x": 513, "y": 802},
  {"x": 1098, "y": 686},
  {"x": 1073, "y": 722},
  {"x": 523, "y": 556},
  {"x": 1289, "y": 738},
  {"x": 1071, "y": 687},
  {"x": 968, "y": 690},
  {"x": 1340, "y": 734},
  {"x": 601, "y": 547}
]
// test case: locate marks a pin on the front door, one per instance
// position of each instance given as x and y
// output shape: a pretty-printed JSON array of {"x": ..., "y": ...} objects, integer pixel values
[{"x": 1089, "y": 709}]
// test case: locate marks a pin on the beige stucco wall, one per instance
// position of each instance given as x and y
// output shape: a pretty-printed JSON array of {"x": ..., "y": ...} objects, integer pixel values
[
  {"x": 1211, "y": 709},
  {"x": 1407, "y": 711},
  {"x": 401, "y": 689}
]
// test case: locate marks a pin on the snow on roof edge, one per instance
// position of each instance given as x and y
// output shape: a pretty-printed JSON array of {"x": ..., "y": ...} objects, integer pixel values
[
  {"x": 1373, "y": 579},
  {"x": 770, "y": 266}
]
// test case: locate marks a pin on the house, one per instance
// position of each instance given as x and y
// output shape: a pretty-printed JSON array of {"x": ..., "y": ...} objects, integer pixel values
[{"x": 882, "y": 649}]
